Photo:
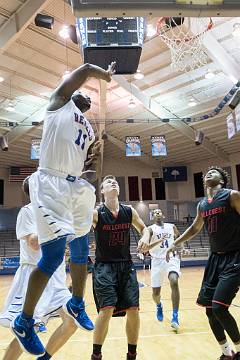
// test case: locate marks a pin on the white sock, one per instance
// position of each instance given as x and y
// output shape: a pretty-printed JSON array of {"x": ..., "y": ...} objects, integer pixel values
[
  {"x": 226, "y": 349},
  {"x": 237, "y": 347}
]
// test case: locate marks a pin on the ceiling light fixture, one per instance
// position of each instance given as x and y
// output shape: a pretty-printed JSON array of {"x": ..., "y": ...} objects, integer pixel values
[
  {"x": 132, "y": 104},
  {"x": 192, "y": 103},
  {"x": 151, "y": 31},
  {"x": 139, "y": 75},
  {"x": 233, "y": 79},
  {"x": 236, "y": 30},
  {"x": 10, "y": 107},
  {"x": 64, "y": 32},
  {"x": 66, "y": 74},
  {"x": 1, "y": 79},
  {"x": 209, "y": 75}
]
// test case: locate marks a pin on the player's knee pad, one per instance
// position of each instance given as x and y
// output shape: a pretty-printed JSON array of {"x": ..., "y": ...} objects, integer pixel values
[
  {"x": 52, "y": 255},
  {"x": 79, "y": 250}
]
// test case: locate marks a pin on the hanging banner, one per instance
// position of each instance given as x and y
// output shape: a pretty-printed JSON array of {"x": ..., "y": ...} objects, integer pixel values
[
  {"x": 231, "y": 125},
  {"x": 159, "y": 146},
  {"x": 237, "y": 117},
  {"x": 133, "y": 146},
  {"x": 35, "y": 149}
]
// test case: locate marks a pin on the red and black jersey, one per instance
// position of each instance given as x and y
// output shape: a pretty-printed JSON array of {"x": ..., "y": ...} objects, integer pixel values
[
  {"x": 112, "y": 234},
  {"x": 221, "y": 221}
]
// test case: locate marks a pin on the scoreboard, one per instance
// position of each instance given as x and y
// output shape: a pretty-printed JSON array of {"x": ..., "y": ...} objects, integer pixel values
[
  {"x": 114, "y": 37},
  {"x": 119, "y": 31}
]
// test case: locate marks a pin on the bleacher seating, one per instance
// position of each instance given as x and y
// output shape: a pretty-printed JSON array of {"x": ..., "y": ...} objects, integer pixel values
[
  {"x": 9, "y": 245},
  {"x": 198, "y": 247}
]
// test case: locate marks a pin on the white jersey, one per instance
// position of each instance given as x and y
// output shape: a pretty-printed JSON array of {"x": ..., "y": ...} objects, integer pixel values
[
  {"x": 159, "y": 251},
  {"x": 26, "y": 226},
  {"x": 66, "y": 138}
]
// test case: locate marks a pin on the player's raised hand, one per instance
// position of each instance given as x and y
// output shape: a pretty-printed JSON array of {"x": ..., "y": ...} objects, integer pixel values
[
  {"x": 95, "y": 152},
  {"x": 111, "y": 71},
  {"x": 170, "y": 251},
  {"x": 142, "y": 247}
]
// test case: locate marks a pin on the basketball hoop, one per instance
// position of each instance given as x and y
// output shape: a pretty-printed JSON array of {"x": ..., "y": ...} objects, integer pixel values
[{"x": 186, "y": 48}]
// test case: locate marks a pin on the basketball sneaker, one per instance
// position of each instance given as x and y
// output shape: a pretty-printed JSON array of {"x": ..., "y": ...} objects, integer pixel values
[
  {"x": 40, "y": 327},
  {"x": 96, "y": 357},
  {"x": 78, "y": 313},
  {"x": 131, "y": 356},
  {"x": 160, "y": 312},
  {"x": 26, "y": 336},
  {"x": 227, "y": 357},
  {"x": 175, "y": 323},
  {"x": 236, "y": 356}
]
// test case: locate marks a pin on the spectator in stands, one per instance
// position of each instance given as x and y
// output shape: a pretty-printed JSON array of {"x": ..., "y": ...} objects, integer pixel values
[
  {"x": 219, "y": 211},
  {"x": 167, "y": 232},
  {"x": 114, "y": 277},
  {"x": 53, "y": 297}
]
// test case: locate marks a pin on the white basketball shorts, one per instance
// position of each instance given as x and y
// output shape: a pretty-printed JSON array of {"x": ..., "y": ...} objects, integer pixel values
[
  {"x": 54, "y": 296},
  {"x": 61, "y": 207},
  {"x": 160, "y": 268}
]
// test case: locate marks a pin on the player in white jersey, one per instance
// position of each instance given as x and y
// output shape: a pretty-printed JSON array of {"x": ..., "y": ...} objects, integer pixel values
[
  {"x": 54, "y": 296},
  {"x": 160, "y": 268},
  {"x": 63, "y": 202}
]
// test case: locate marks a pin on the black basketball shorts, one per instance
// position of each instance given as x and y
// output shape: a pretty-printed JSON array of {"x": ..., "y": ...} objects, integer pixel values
[
  {"x": 221, "y": 279},
  {"x": 115, "y": 285}
]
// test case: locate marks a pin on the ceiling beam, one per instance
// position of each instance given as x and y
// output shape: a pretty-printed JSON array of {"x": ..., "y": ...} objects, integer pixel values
[
  {"x": 26, "y": 125},
  {"x": 215, "y": 50},
  {"x": 220, "y": 56},
  {"x": 19, "y": 20},
  {"x": 207, "y": 144},
  {"x": 158, "y": 110},
  {"x": 150, "y": 8}
]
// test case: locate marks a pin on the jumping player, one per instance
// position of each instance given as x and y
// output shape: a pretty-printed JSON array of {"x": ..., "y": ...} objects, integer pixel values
[
  {"x": 114, "y": 277},
  {"x": 62, "y": 202},
  {"x": 219, "y": 211}
]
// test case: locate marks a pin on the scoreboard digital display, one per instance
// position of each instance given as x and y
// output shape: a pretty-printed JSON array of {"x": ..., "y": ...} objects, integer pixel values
[
  {"x": 106, "y": 39},
  {"x": 117, "y": 31}
]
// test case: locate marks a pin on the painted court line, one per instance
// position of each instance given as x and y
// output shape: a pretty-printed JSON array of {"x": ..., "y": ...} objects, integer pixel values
[{"x": 4, "y": 343}]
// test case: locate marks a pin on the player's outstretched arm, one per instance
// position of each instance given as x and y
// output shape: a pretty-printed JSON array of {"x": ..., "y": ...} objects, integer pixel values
[
  {"x": 235, "y": 200},
  {"x": 93, "y": 164},
  {"x": 75, "y": 80},
  {"x": 142, "y": 247},
  {"x": 142, "y": 229},
  {"x": 95, "y": 218},
  {"x": 32, "y": 241},
  {"x": 191, "y": 231}
]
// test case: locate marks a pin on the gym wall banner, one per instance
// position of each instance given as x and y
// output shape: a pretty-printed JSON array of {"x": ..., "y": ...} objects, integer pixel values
[
  {"x": 231, "y": 125},
  {"x": 159, "y": 146},
  {"x": 35, "y": 149},
  {"x": 133, "y": 146},
  {"x": 237, "y": 118}
]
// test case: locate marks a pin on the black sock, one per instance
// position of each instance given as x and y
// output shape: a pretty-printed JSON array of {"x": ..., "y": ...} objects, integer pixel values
[
  {"x": 97, "y": 349},
  {"x": 132, "y": 349}
]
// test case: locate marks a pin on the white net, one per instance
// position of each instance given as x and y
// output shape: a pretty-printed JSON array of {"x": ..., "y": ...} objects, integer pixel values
[{"x": 184, "y": 39}]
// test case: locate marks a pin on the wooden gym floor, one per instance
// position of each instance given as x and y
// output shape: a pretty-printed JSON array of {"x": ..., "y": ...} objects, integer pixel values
[{"x": 157, "y": 340}]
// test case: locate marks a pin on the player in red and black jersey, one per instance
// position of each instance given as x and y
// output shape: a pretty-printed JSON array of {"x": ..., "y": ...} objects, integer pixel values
[
  {"x": 219, "y": 211},
  {"x": 114, "y": 277}
]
